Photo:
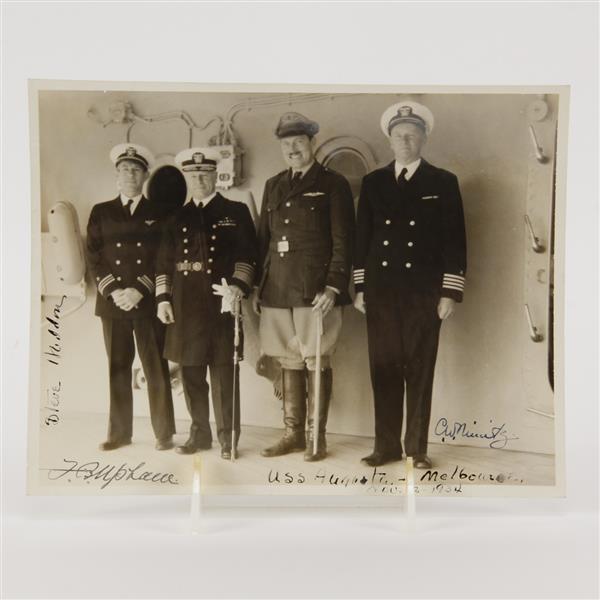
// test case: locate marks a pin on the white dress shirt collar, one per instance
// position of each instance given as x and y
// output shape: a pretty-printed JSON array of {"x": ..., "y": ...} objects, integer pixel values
[
  {"x": 136, "y": 200},
  {"x": 410, "y": 168}
]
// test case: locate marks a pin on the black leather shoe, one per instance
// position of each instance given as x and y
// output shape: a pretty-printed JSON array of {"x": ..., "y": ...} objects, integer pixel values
[
  {"x": 422, "y": 461},
  {"x": 113, "y": 445},
  {"x": 227, "y": 453},
  {"x": 164, "y": 444},
  {"x": 376, "y": 459},
  {"x": 191, "y": 447}
]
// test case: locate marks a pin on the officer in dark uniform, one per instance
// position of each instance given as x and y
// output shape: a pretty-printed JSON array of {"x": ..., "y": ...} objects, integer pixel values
[
  {"x": 409, "y": 272},
  {"x": 306, "y": 234},
  {"x": 122, "y": 239},
  {"x": 209, "y": 239}
]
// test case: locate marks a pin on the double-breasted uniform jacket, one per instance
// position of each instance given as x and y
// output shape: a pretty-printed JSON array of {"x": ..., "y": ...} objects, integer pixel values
[
  {"x": 121, "y": 252},
  {"x": 306, "y": 237},
  {"x": 410, "y": 239},
  {"x": 199, "y": 247}
]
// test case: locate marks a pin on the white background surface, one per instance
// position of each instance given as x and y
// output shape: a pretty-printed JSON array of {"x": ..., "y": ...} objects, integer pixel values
[{"x": 138, "y": 547}]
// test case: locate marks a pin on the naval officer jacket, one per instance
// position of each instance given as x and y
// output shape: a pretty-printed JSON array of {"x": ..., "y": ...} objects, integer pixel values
[
  {"x": 306, "y": 236},
  {"x": 410, "y": 237},
  {"x": 121, "y": 252},
  {"x": 200, "y": 246}
]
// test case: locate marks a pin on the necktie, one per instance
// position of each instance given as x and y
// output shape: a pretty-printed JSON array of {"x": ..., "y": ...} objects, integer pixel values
[
  {"x": 296, "y": 178},
  {"x": 402, "y": 181},
  {"x": 128, "y": 207}
]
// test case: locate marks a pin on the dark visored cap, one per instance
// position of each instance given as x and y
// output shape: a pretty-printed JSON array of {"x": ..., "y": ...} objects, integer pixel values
[{"x": 293, "y": 123}]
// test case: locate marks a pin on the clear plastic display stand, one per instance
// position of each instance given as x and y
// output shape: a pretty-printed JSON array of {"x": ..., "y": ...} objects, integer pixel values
[
  {"x": 410, "y": 512},
  {"x": 196, "y": 497},
  {"x": 197, "y": 525}
]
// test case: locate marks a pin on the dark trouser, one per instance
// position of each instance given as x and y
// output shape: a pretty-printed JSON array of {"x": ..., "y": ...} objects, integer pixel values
[
  {"x": 195, "y": 389},
  {"x": 120, "y": 348},
  {"x": 403, "y": 330}
]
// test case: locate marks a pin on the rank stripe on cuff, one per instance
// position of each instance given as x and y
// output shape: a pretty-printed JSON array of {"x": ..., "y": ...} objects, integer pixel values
[
  {"x": 105, "y": 282},
  {"x": 359, "y": 276},
  {"x": 456, "y": 282},
  {"x": 146, "y": 282},
  {"x": 449, "y": 286},
  {"x": 244, "y": 272},
  {"x": 163, "y": 285}
]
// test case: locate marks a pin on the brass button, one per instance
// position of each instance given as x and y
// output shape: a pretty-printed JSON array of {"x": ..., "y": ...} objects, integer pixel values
[
  {"x": 185, "y": 272},
  {"x": 288, "y": 204},
  {"x": 411, "y": 223},
  {"x": 384, "y": 263},
  {"x": 284, "y": 237},
  {"x": 184, "y": 229},
  {"x": 138, "y": 261},
  {"x": 118, "y": 244},
  {"x": 209, "y": 271},
  {"x": 210, "y": 260},
  {"x": 408, "y": 265},
  {"x": 282, "y": 254},
  {"x": 213, "y": 237},
  {"x": 410, "y": 244},
  {"x": 386, "y": 243},
  {"x": 185, "y": 250},
  {"x": 212, "y": 248},
  {"x": 388, "y": 222},
  {"x": 119, "y": 278},
  {"x": 139, "y": 244},
  {"x": 286, "y": 221},
  {"x": 118, "y": 262},
  {"x": 185, "y": 241},
  {"x": 214, "y": 226}
]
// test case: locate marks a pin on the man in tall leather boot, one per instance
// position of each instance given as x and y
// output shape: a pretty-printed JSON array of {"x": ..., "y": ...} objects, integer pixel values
[
  {"x": 305, "y": 235},
  {"x": 208, "y": 239},
  {"x": 409, "y": 272}
]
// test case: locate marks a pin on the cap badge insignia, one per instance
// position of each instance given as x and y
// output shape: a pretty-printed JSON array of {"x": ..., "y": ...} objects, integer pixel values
[
  {"x": 198, "y": 157},
  {"x": 405, "y": 111},
  {"x": 130, "y": 151}
]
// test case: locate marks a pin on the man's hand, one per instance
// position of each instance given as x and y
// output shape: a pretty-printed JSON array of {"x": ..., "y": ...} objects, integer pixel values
[
  {"x": 231, "y": 296},
  {"x": 118, "y": 297},
  {"x": 124, "y": 299},
  {"x": 359, "y": 303},
  {"x": 236, "y": 297},
  {"x": 255, "y": 301},
  {"x": 165, "y": 313},
  {"x": 445, "y": 307},
  {"x": 324, "y": 301},
  {"x": 129, "y": 299}
]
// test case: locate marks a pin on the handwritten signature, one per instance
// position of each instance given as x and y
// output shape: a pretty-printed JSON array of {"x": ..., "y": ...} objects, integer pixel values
[
  {"x": 497, "y": 435},
  {"x": 53, "y": 356},
  {"x": 94, "y": 471},
  {"x": 53, "y": 404}
]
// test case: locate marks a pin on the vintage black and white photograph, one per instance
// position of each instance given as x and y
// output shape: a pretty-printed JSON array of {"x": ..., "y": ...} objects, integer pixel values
[{"x": 297, "y": 290}]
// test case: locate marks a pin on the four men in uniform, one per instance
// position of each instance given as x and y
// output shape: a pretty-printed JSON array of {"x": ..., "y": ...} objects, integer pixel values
[{"x": 409, "y": 271}]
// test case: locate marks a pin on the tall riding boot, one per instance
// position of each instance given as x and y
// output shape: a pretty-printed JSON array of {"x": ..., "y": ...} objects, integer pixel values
[
  {"x": 325, "y": 397},
  {"x": 294, "y": 414}
]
